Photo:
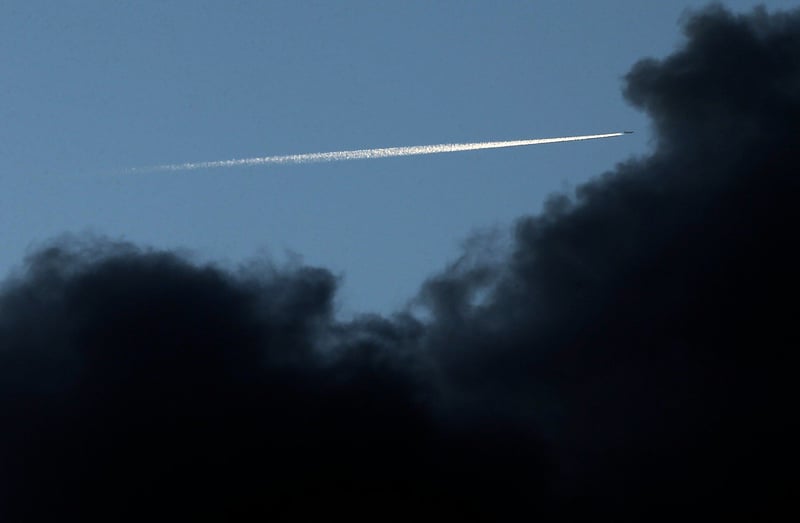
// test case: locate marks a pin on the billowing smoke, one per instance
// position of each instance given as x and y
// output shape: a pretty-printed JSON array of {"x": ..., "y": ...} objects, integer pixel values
[
  {"x": 364, "y": 154},
  {"x": 630, "y": 358}
]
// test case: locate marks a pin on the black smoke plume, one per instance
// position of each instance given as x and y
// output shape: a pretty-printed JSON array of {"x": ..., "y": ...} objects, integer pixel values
[{"x": 630, "y": 358}]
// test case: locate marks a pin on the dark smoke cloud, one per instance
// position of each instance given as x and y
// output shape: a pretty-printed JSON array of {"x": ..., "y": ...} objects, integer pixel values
[{"x": 630, "y": 358}]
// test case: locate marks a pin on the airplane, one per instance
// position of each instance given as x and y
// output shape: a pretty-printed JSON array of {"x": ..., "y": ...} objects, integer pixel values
[{"x": 627, "y": 132}]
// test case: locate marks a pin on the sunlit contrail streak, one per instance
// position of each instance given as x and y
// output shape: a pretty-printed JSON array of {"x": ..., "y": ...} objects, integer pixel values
[{"x": 359, "y": 154}]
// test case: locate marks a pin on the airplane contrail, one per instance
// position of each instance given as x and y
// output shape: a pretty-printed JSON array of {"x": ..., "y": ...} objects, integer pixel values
[{"x": 360, "y": 154}]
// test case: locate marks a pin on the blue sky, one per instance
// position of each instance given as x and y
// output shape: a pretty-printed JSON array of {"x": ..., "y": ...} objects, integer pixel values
[{"x": 93, "y": 87}]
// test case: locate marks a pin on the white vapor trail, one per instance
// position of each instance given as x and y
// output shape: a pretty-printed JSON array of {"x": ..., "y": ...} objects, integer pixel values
[{"x": 359, "y": 154}]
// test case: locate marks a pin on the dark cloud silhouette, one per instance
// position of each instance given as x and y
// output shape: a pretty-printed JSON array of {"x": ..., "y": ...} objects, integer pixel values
[
  {"x": 136, "y": 382},
  {"x": 629, "y": 359}
]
